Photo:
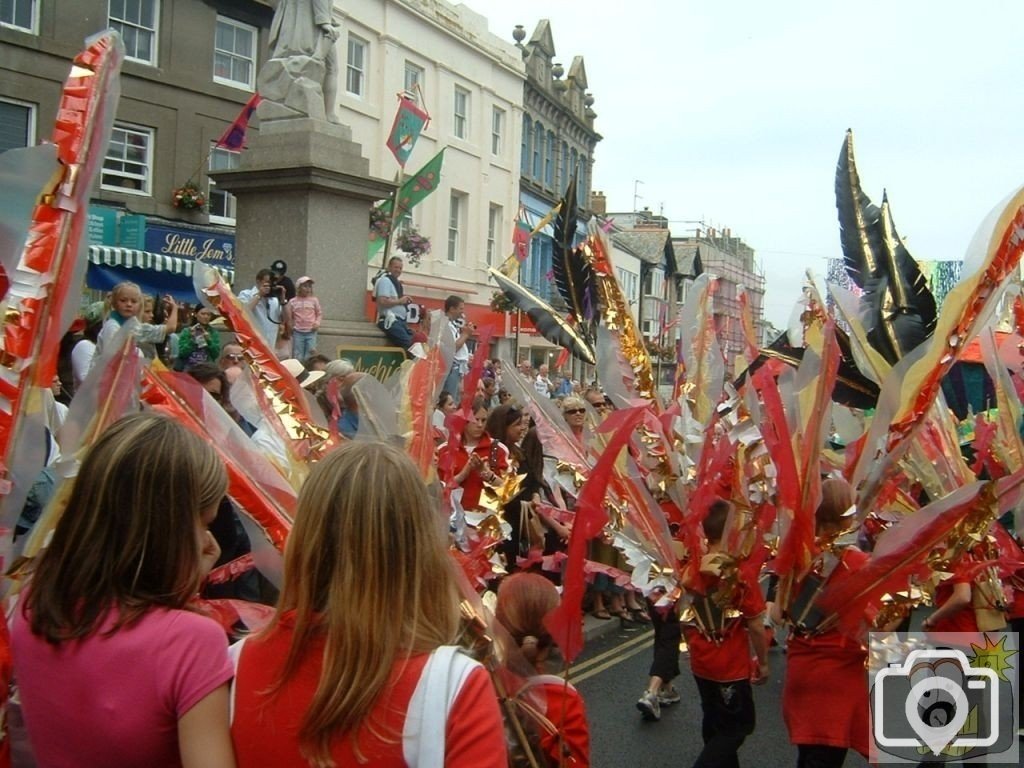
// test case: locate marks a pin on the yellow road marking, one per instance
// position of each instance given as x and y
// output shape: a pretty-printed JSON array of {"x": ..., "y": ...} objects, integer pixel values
[
  {"x": 640, "y": 640},
  {"x": 608, "y": 664}
]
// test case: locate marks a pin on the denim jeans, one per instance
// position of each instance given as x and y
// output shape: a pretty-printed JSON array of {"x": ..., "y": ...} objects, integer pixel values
[{"x": 303, "y": 344}]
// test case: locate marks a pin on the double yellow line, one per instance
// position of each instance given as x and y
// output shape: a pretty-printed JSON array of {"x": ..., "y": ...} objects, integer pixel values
[{"x": 598, "y": 664}]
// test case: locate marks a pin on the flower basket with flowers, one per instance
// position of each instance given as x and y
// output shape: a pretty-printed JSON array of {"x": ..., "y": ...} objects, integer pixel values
[
  {"x": 380, "y": 222},
  {"x": 413, "y": 244},
  {"x": 501, "y": 303},
  {"x": 189, "y": 197}
]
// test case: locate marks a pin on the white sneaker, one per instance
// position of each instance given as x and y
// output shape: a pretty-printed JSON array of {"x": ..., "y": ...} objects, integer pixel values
[
  {"x": 668, "y": 695},
  {"x": 649, "y": 706}
]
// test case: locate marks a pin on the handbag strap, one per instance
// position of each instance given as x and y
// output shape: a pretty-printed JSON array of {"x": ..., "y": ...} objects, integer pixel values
[{"x": 426, "y": 720}]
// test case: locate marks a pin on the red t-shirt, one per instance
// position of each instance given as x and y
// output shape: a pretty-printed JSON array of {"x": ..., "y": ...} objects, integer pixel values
[
  {"x": 493, "y": 454},
  {"x": 265, "y": 726},
  {"x": 825, "y": 694},
  {"x": 965, "y": 619},
  {"x": 728, "y": 659}
]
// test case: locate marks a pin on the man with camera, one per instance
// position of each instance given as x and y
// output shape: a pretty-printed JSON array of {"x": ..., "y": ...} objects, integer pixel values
[
  {"x": 266, "y": 302},
  {"x": 455, "y": 312},
  {"x": 392, "y": 308}
]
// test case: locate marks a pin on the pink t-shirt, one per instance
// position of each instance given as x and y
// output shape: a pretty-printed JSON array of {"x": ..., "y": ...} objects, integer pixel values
[{"x": 116, "y": 699}]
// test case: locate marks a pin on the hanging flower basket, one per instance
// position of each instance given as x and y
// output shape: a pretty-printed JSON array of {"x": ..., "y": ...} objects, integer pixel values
[
  {"x": 501, "y": 303},
  {"x": 380, "y": 222},
  {"x": 414, "y": 245},
  {"x": 188, "y": 197}
]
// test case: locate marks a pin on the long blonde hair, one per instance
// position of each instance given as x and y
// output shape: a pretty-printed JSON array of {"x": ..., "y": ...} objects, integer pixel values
[
  {"x": 128, "y": 537},
  {"x": 366, "y": 566}
]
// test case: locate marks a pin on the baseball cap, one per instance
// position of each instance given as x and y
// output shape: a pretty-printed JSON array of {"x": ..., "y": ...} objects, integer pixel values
[{"x": 304, "y": 279}]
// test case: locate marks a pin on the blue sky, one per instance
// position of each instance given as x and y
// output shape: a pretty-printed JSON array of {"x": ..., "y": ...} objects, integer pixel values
[{"x": 734, "y": 113}]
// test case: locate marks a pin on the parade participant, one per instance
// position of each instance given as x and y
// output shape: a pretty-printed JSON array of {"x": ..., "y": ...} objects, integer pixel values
[
  {"x": 303, "y": 315},
  {"x": 459, "y": 331},
  {"x": 199, "y": 343},
  {"x": 668, "y": 633},
  {"x": 126, "y": 302},
  {"x": 507, "y": 425},
  {"x": 560, "y": 729},
  {"x": 825, "y": 669},
  {"x": 337, "y": 680},
  {"x": 473, "y": 459},
  {"x": 142, "y": 681},
  {"x": 265, "y": 301},
  {"x": 392, "y": 304},
  {"x": 721, "y": 645}
]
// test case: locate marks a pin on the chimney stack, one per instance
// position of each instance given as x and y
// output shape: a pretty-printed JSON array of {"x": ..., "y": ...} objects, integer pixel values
[{"x": 598, "y": 203}]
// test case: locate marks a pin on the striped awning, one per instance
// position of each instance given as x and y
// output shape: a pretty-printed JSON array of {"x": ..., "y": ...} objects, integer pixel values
[{"x": 111, "y": 256}]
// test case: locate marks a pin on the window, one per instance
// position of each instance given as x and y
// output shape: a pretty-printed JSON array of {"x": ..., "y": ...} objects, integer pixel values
[
  {"x": 136, "y": 21},
  {"x": 497, "y": 130},
  {"x": 20, "y": 14},
  {"x": 549, "y": 161},
  {"x": 524, "y": 156},
  {"x": 538, "y": 148},
  {"x": 234, "y": 54},
  {"x": 222, "y": 202},
  {"x": 454, "y": 221},
  {"x": 413, "y": 77},
  {"x": 17, "y": 124},
  {"x": 355, "y": 74},
  {"x": 574, "y": 162},
  {"x": 493, "y": 233},
  {"x": 564, "y": 181},
  {"x": 461, "y": 113},
  {"x": 127, "y": 166}
]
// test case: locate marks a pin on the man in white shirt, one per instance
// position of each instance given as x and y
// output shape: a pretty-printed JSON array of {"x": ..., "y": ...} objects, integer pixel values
[
  {"x": 391, "y": 305},
  {"x": 454, "y": 311},
  {"x": 265, "y": 304},
  {"x": 542, "y": 384}
]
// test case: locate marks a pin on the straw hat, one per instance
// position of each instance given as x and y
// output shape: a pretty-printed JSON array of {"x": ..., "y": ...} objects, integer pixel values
[{"x": 305, "y": 378}]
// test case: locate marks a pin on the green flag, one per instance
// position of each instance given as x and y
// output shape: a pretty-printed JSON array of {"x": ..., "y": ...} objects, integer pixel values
[{"x": 419, "y": 185}]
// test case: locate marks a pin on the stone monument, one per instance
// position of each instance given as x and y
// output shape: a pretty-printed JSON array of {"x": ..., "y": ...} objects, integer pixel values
[{"x": 303, "y": 187}]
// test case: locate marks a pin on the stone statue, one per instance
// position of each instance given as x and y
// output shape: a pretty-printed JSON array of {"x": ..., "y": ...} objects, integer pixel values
[{"x": 301, "y": 76}]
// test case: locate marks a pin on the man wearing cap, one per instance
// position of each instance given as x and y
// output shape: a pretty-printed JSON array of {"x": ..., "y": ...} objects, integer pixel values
[
  {"x": 280, "y": 270},
  {"x": 302, "y": 315},
  {"x": 391, "y": 306}
]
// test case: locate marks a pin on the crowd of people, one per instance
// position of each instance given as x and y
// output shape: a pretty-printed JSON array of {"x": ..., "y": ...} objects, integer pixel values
[{"x": 360, "y": 660}]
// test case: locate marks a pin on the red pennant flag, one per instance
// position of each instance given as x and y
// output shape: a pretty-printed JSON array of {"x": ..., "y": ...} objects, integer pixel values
[
  {"x": 234, "y": 136},
  {"x": 410, "y": 121},
  {"x": 521, "y": 236}
]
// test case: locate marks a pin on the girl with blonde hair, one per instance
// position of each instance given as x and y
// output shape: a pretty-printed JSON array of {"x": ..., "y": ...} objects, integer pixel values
[
  {"x": 347, "y": 671},
  {"x": 112, "y": 667}
]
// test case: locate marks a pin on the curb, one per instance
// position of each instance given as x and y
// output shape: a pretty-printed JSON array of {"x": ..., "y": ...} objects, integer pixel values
[{"x": 596, "y": 628}]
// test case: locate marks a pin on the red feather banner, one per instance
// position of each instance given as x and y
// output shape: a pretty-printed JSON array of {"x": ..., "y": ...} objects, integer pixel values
[{"x": 566, "y": 622}]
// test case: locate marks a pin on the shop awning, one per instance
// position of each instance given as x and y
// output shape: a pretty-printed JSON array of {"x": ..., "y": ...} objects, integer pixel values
[{"x": 155, "y": 273}]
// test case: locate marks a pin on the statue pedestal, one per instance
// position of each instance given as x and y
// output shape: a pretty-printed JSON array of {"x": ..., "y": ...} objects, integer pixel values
[{"x": 304, "y": 193}]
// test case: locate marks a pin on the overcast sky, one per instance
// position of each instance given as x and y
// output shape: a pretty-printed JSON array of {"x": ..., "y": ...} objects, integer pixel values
[{"x": 733, "y": 113}]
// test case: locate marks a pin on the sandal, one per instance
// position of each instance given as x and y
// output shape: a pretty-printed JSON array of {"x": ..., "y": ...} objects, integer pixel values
[
  {"x": 601, "y": 614},
  {"x": 641, "y": 615}
]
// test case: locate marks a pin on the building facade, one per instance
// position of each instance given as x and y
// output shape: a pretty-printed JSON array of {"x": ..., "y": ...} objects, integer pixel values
[
  {"x": 731, "y": 262},
  {"x": 190, "y": 66},
  {"x": 557, "y": 139}
]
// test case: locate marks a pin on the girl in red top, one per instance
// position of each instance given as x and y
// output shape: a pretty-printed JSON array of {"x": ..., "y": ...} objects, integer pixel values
[
  {"x": 825, "y": 697},
  {"x": 343, "y": 674},
  {"x": 474, "y": 459},
  {"x": 560, "y": 728}
]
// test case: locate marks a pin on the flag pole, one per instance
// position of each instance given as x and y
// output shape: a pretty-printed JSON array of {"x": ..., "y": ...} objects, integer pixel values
[{"x": 391, "y": 225}]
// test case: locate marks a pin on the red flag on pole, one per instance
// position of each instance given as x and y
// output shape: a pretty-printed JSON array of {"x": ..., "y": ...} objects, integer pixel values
[
  {"x": 234, "y": 136},
  {"x": 410, "y": 121},
  {"x": 521, "y": 236}
]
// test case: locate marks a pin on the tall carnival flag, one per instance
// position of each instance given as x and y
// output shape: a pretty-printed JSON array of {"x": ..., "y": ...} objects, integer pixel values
[
  {"x": 412, "y": 192},
  {"x": 234, "y": 136},
  {"x": 410, "y": 121}
]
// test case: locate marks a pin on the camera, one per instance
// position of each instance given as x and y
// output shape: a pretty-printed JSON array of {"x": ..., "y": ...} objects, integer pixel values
[{"x": 935, "y": 698}]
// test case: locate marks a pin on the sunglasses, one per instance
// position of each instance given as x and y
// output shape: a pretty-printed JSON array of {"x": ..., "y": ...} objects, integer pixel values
[
  {"x": 572, "y": 411},
  {"x": 601, "y": 406},
  {"x": 234, "y": 357}
]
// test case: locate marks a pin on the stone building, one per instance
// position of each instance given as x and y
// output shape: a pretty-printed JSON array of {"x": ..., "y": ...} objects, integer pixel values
[{"x": 190, "y": 66}]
